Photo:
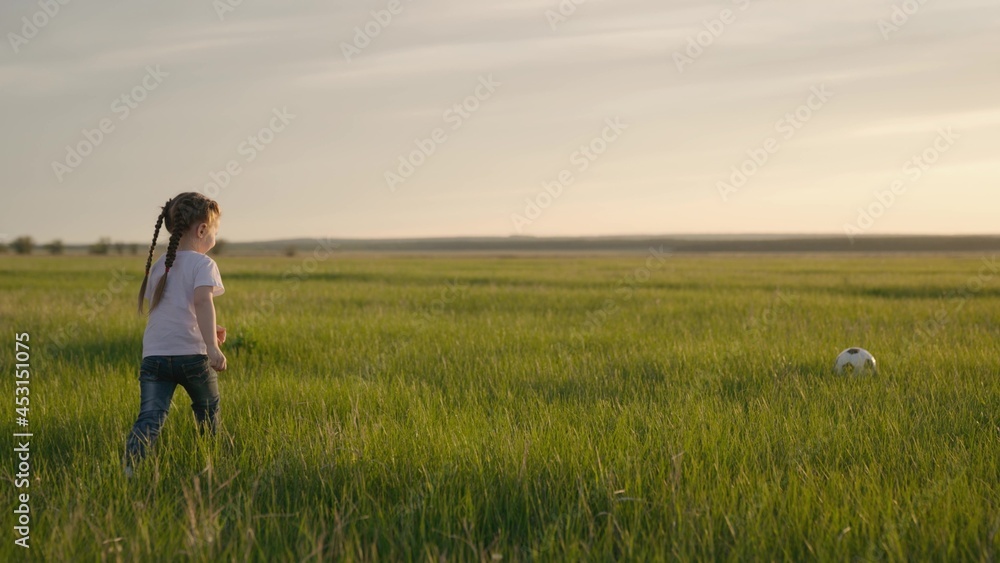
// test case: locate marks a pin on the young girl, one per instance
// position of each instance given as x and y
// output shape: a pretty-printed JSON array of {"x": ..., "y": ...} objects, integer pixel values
[{"x": 181, "y": 342}]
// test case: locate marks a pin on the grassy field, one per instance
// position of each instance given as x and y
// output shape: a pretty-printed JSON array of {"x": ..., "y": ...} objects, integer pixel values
[{"x": 635, "y": 407}]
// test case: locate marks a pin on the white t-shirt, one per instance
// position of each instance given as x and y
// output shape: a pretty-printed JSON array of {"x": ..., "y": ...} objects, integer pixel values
[{"x": 172, "y": 328}]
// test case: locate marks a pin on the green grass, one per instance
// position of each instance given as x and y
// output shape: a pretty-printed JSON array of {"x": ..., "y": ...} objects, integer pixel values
[{"x": 383, "y": 408}]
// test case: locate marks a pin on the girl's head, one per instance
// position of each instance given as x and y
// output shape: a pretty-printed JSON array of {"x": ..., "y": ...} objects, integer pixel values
[{"x": 190, "y": 217}]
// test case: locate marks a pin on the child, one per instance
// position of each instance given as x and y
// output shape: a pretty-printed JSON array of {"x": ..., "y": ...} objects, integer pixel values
[{"x": 181, "y": 342}]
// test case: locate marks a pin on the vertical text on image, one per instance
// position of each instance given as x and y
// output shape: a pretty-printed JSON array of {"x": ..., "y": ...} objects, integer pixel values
[{"x": 22, "y": 440}]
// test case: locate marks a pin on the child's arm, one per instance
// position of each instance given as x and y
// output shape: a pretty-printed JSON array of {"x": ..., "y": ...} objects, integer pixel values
[{"x": 204, "y": 309}]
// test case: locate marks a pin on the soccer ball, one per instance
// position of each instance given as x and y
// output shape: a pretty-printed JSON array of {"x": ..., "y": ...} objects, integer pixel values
[{"x": 855, "y": 361}]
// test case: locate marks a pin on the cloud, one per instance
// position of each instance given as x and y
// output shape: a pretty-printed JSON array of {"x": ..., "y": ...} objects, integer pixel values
[{"x": 607, "y": 59}]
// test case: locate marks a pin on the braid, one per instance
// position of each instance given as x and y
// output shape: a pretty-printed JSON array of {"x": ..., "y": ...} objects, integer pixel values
[
  {"x": 175, "y": 239},
  {"x": 149, "y": 259},
  {"x": 180, "y": 224}
]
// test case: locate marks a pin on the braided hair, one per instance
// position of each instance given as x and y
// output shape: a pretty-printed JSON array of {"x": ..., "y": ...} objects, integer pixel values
[
  {"x": 149, "y": 259},
  {"x": 178, "y": 214}
]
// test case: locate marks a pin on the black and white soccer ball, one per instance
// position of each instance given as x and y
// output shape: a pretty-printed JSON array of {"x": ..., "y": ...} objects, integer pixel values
[{"x": 855, "y": 361}]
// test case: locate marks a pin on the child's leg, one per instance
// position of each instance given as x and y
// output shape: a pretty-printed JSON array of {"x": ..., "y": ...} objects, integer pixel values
[
  {"x": 156, "y": 389},
  {"x": 202, "y": 384}
]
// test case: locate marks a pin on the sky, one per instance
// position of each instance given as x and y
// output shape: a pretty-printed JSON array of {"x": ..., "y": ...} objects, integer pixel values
[{"x": 424, "y": 118}]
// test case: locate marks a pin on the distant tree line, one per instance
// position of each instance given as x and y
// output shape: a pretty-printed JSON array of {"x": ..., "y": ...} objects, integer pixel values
[{"x": 25, "y": 245}]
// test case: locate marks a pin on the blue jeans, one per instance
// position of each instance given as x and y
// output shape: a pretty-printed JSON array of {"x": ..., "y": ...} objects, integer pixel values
[{"x": 159, "y": 376}]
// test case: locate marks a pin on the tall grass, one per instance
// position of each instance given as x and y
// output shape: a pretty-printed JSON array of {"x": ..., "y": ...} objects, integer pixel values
[{"x": 526, "y": 408}]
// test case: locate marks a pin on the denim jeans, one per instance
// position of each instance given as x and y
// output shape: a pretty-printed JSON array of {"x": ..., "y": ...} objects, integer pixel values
[{"x": 159, "y": 376}]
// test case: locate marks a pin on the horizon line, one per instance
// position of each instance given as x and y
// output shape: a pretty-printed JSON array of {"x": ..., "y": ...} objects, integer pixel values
[{"x": 734, "y": 236}]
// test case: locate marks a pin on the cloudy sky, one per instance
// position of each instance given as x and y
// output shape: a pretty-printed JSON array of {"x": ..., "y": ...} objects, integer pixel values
[{"x": 500, "y": 117}]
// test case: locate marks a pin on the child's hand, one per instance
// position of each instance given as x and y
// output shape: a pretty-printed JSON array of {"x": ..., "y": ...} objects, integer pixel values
[
  {"x": 216, "y": 359},
  {"x": 220, "y": 334}
]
